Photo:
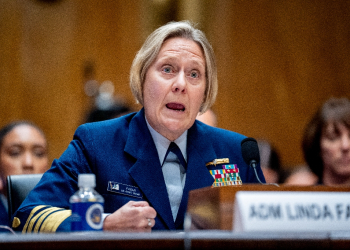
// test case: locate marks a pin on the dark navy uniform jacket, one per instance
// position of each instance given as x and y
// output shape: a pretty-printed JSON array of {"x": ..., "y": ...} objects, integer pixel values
[
  {"x": 4, "y": 217},
  {"x": 122, "y": 151}
]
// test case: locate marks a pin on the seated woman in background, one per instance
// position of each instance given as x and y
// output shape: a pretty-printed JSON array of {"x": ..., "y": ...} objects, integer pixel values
[
  {"x": 326, "y": 142},
  {"x": 23, "y": 150}
]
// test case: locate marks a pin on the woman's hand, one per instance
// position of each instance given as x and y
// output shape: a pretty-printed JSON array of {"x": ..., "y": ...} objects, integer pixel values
[{"x": 135, "y": 216}]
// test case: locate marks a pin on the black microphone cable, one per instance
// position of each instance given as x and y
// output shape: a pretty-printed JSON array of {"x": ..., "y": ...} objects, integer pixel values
[{"x": 250, "y": 153}]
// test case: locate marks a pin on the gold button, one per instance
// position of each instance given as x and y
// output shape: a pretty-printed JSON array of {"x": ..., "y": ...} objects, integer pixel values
[{"x": 16, "y": 222}]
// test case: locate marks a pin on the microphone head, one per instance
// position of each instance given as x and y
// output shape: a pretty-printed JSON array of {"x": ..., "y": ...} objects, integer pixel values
[{"x": 250, "y": 150}]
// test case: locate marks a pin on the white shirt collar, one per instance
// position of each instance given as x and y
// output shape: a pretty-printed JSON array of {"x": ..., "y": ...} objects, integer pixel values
[{"x": 162, "y": 143}]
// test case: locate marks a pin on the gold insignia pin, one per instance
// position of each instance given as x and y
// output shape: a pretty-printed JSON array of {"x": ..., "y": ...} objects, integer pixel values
[{"x": 218, "y": 161}]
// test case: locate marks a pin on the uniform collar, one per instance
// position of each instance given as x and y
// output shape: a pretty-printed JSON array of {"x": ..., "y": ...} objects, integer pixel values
[{"x": 162, "y": 143}]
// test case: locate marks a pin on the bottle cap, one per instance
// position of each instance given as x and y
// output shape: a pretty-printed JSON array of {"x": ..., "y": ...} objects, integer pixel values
[{"x": 86, "y": 180}]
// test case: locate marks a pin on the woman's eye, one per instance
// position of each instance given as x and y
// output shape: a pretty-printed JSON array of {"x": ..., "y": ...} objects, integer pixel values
[
  {"x": 14, "y": 153},
  {"x": 332, "y": 136},
  {"x": 194, "y": 74},
  {"x": 40, "y": 154},
  {"x": 167, "y": 70}
]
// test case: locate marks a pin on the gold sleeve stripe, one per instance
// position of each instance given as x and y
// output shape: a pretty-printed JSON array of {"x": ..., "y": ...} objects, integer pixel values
[
  {"x": 37, "y": 217},
  {"x": 42, "y": 217},
  {"x": 52, "y": 222},
  {"x": 34, "y": 210}
]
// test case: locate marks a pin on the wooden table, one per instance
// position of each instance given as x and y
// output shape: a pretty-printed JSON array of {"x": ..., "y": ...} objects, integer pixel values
[{"x": 204, "y": 239}]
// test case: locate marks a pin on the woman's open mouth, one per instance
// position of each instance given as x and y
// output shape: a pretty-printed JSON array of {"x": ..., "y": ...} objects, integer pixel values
[{"x": 175, "y": 106}]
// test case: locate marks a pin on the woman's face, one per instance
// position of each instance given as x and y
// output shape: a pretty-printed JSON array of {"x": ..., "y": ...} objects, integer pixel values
[
  {"x": 174, "y": 87},
  {"x": 23, "y": 151},
  {"x": 335, "y": 149}
]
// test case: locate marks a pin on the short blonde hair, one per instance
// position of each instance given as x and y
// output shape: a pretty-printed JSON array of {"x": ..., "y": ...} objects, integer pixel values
[{"x": 150, "y": 49}]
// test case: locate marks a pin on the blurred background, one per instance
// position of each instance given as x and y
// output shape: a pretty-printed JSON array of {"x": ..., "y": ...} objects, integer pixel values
[{"x": 277, "y": 61}]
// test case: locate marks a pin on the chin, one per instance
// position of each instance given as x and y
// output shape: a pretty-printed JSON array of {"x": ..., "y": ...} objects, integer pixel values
[
  {"x": 176, "y": 129},
  {"x": 343, "y": 171}
]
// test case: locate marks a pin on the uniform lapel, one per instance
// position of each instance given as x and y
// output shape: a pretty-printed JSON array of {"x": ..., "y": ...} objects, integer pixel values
[
  {"x": 199, "y": 152},
  {"x": 147, "y": 171}
]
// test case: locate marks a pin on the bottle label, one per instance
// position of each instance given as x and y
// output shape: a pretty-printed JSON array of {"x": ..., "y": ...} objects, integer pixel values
[{"x": 86, "y": 216}]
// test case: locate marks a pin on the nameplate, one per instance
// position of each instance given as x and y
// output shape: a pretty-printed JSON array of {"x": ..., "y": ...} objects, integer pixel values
[
  {"x": 291, "y": 211},
  {"x": 124, "y": 189}
]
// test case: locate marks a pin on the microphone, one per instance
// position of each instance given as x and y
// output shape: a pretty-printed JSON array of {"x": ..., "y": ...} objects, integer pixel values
[{"x": 250, "y": 153}]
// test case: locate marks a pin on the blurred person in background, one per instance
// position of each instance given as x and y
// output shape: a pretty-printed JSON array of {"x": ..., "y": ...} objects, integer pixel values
[
  {"x": 301, "y": 176},
  {"x": 270, "y": 162},
  {"x": 23, "y": 150},
  {"x": 326, "y": 142},
  {"x": 105, "y": 104},
  {"x": 208, "y": 117},
  {"x": 117, "y": 110}
]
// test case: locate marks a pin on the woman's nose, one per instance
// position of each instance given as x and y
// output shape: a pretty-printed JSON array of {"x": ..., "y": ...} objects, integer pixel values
[
  {"x": 345, "y": 143},
  {"x": 28, "y": 162},
  {"x": 179, "y": 84}
]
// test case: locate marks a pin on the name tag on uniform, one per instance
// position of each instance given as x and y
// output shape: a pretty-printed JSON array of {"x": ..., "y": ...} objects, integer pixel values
[{"x": 124, "y": 189}]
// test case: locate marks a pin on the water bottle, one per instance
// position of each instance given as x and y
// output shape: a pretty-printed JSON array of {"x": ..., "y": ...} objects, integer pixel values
[{"x": 86, "y": 205}]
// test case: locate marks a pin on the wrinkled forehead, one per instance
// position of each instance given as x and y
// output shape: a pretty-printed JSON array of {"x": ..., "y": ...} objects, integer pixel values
[{"x": 188, "y": 38}]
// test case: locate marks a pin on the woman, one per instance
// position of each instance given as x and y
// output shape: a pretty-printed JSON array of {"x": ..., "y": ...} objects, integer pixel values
[
  {"x": 23, "y": 150},
  {"x": 326, "y": 142},
  {"x": 161, "y": 152}
]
